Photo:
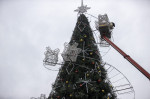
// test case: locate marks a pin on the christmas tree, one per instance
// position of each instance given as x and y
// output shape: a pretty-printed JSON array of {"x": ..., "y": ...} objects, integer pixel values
[{"x": 82, "y": 76}]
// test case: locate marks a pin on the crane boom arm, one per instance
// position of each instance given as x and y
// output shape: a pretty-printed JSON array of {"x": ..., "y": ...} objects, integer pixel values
[{"x": 135, "y": 64}]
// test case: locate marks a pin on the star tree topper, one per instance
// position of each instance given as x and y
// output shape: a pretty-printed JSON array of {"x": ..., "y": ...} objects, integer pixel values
[{"x": 82, "y": 8}]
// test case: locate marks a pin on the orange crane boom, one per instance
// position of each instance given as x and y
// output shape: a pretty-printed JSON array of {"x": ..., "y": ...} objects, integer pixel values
[{"x": 135, "y": 64}]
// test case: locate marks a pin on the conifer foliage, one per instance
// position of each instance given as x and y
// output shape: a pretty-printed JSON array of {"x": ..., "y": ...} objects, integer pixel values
[{"x": 85, "y": 78}]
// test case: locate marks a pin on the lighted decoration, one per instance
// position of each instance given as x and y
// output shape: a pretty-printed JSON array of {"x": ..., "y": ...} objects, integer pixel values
[
  {"x": 87, "y": 75},
  {"x": 91, "y": 53},
  {"x": 85, "y": 82},
  {"x": 70, "y": 52},
  {"x": 51, "y": 56},
  {"x": 85, "y": 36},
  {"x": 70, "y": 67},
  {"x": 70, "y": 95},
  {"x": 121, "y": 84},
  {"x": 102, "y": 21},
  {"x": 81, "y": 26},
  {"x": 85, "y": 51},
  {"x": 81, "y": 40},
  {"x": 66, "y": 82},
  {"x": 82, "y": 8},
  {"x": 103, "y": 91}
]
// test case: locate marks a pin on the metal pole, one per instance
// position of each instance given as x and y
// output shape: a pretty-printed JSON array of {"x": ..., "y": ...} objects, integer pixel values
[{"x": 136, "y": 65}]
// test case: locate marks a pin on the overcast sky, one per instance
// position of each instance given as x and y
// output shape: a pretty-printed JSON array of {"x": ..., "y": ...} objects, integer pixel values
[{"x": 28, "y": 26}]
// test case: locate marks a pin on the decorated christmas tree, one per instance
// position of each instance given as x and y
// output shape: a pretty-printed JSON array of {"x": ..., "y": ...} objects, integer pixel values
[{"x": 82, "y": 76}]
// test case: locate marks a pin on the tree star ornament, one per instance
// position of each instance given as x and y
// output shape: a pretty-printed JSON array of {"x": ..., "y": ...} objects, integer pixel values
[
  {"x": 85, "y": 51},
  {"x": 82, "y": 9},
  {"x": 86, "y": 82},
  {"x": 51, "y": 56},
  {"x": 70, "y": 52}
]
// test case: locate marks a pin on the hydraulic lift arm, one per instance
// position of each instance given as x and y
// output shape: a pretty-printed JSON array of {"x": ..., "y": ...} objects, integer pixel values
[{"x": 142, "y": 70}]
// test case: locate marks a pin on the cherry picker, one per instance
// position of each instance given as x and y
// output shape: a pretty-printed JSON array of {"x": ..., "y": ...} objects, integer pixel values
[{"x": 105, "y": 28}]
